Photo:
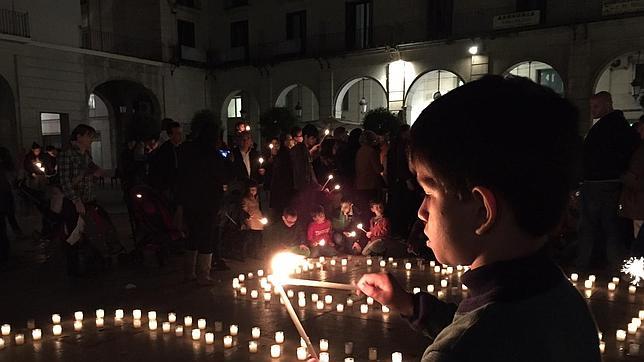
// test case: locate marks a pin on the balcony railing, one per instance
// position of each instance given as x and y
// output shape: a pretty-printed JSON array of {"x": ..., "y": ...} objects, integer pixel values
[
  {"x": 119, "y": 44},
  {"x": 14, "y": 23}
]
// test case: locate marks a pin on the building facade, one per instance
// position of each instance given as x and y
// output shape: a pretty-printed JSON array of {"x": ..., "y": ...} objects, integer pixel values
[{"x": 122, "y": 65}]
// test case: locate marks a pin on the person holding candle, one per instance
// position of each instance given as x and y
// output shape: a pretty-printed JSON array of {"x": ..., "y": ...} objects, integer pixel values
[
  {"x": 253, "y": 226},
  {"x": 378, "y": 233},
  {"x": 246, "y": 165},
  {"x": 319, "y": 234},
  {"x": 286, "y": 234},
  {"x": 281, "y": 180},
  {"x": 492, "y": 195},
  {"x": 343, "y": 235}
]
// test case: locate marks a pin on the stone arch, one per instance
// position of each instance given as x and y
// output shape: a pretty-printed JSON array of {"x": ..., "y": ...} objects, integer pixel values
[
  {"x": 617, "y": 77},
  {"x": 373, "y": 87},
  {"x": 539, "y": 72},
  {"x": 295, "y": 94},
  {"x": 428, "y": 83}
]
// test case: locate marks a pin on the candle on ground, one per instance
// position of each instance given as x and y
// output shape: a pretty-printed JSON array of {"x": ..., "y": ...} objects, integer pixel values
[
  {"x": 118, "y": 314},
  {"x": 592, "y": 278},
  {"x": 602, "y": 346},
  {"x": 57, "y": 330},
  {"x": 152, "y": 315},
  {"x": 187, "y": 321},
  {"x": 620, "y": 335},
  {"x": 574, "y": 277},
  {"x": 369, "y": 262},
  {"x": 234, "y": 329},
  {"x": 252, "y": 346},
  {"x": 364, "y": 308},
  {"x": 36, "y": 334},
  {"x": 348, "y": 348},
  {"x": 1, "y": 343},
  {"x": 369, "y": 301},
  {"x": 328, "y": 299},
  {"x": 588, "y": 284},
  {"x": 100, "y": 313},
  {"x": 242, "y": 277},
  {"x": 615, "y": 280},
  {"x": 279, "y": 337},
  {"x": 301, "y": 303},
  {"x": 344, "y": 262},
  {"x": 314, "y": 297},
  {"x": 373, "y": 354},
  {"x": 78, "y": 325},
  {"x": 100, "y": 322},
  {"x": 408, "y": 266},
  {"x": 324, "y": 345},
  {"x": 20, "y": 338},
  {"x": 324, "y": 357},
  {"x": 196, "y": 334},
  {"x": 383, "y": 263},
  {"x": 55, "y": 318},
  {"x": 201, "y": 323},
  {"x": 290, "y": 293},
  {"x": 632, "y": 328},
  {"x": 210, "y": 338},
  {"x": 339, "y": 308},
  {"x": 437, "y": 269},
  {"x": 136, "y": 323},
  {"x": 636, "y": 321},
  {"x": 254, "y": 294},
  {"x": 349, "y": 302},
  {"x": 396, "y": 357},
  {"x": 153, "y": 324},
  {"x": 301, "y": 353},
  {"x": 444, "y": 283},
  {"x": 267, "y": 297},
  {"x": 416, "y": 290},
  {"x": 430, "y": 288},
  {"x": 178, "y": 331},
  {"x": 276, "y": 351},
  {"x": 166, "y": 327},
  {"x": 236, "y": 284},
  {"x": 301, "y": 295},
  {"x": 172, "y": 317},
  {"x": 632, "y": 289},
  {"x": 320, "y": 305},
  {"x": 255, "y": 332},
  {"x": 228, "y": 341},
  {"x": 349, "y": 359},
  {"x": 78, "y": 316},
  {"x": 136, "y": 314},
  {"x": 242, "y": 291},
  {"x": 260, "y": 273},
  {"x": 385, "y": 309}
]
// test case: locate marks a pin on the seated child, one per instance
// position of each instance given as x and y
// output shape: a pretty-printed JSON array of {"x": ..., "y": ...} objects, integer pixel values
[
  {"x": 286, "y": 234},
  {"x": 319, "y": 234},
  {"x": 378, "y": 232},
  {"x": 343, "y": 234},
  {"x": 254, "y": 224}
]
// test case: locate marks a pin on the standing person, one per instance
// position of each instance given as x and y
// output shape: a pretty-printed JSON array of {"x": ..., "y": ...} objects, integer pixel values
[
  {"x": 200, "y": 194},
  {"x": 607, "y": 149},
  {"x": 282, "y": 177},
  {"x": 402, "y": 184},
  {"x": 253, "y": 224},
  {"x": 164, "y": 164},
  {"x": 486, "y": 207},
  {"x": 11, "y": 174},
  {"x": 632, "y": 198},
  {"x": 76, "y": 170},
  {"x": 50, "y": 163},
  {"x": 305, "y": 183},
  {"x": 369, "y": 170},
  {"x": 347, "y": 158},
  {"x": 270, "y": 156},
  {"x": 246, "y": 164}
]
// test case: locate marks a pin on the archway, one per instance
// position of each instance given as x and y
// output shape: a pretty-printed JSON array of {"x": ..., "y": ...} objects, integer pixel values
[
  {"x": 426, "y": 88},
  {"x": 8, "y": 129},
  {"x": 350, "y": 102},
  {"x": 299, "y": 99},
  {"x": 240, "y": 106},
  {"x": 540, "y": 73},
  {"x": 623, "y": 78},
  {"x": 121, "y": 110}
]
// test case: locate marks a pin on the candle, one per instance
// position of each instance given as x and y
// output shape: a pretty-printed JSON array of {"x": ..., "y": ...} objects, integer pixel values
[
  {"x": 620, "y": 335},
  {"x": 236, "y": 284},
  {"x": 463, "y": 287},
  {"x": 369, "y": 262},
  {"x": 592, "y": 278},
  {"x": 100, "y": 322},
  {"x": 344, "y": 262},
  {"x": 349, "y": 359},
  {"x": 450, "y": 270},
  {"x": 172, "y": 317},
  {"x": 260, "y": 273},
  {"x": 632, "y": 289},
  {"x": 373, "y": 354},
  {"x": 632, "y": 328},
  {"x": 78, "y": 316},
  {"x": 234, "y": 329},
  {"x": 348, "y": 348},
  {"x": 634, "y": 349},
  {"x": 416, "y": 290},
  {"x": 252, "y": 346},
  {"x": 301, "y": 353},
  {"x": 314, "y": 297},
  {"x": 153, "y": 324},
  {"x": 324, "y": 345},
  {"x": 242, "y": 290},
  {"x": 100, "y": 313},
  {"x": 636, "y": 321},
  {"x": 324, "y": 356},
  {"x": 78, "y": 325},
  {"x": 441, "y": 294},
  {"x": 1, "y": 343},
  {"x": 219, "y": 326},
  {"x": 55, "y": 318},
  {"x": 254, "y": 294},
  {"x": 588, "y": 284},
  {"x": 383, "y": 263},
  {"x": 210, "y": 338},
  {"x": 437, "y": 269},
  {"x": 276, "y": 351},
  {"x": 255, "y": 332},
  {"x": 408, "y": 266},
  {"x": 187, "y": 321},
  {"x": 602, "y": 346},
  {"x": 136, "y": 314},
  {"x": 430, "y": 288},
  {"x": 443, "y": 283},
  {"x": 328, "y": 299},
  {"x": 320, "y": 305},
  {"x": 349, "y": 302},
  {"x": 339, "y": 308},
  {"x": 290, "y": 293},
  {"x": 152, "y": 315},
  {"x": 166, "y": 327},
  {"x": 279, "y": 337},
  {"x": 301, "y": 295},
  {"x": 242, "y": 277},
  {"x": 57, "y": 330},
  {"x": 36, "y": 334},
  {"x": 118, "y": 314},
  {"x": 616, "y": 280},
  {"x": 396, "y": 357},
  {"x": 178, "y": 331},
  {"x": 611, "y": 286},
  {"x": 385, "y": 309},
  {"x": 196, "y": 334},
  {"x": 301, "y": 303},
  {"x": 20, "y": 338},
  {"x": 201, "y": 323},
  {"x": 136, "y": 323},
  {"x": 394, "y": 264},
  {"x": 369, "y": 300},
  {"x": 364, "y": 308}
]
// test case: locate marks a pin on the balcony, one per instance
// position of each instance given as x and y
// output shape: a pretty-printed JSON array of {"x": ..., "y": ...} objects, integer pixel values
[
  {"x": 119, "y": 44},
  {"x": 14, "y": 23}
]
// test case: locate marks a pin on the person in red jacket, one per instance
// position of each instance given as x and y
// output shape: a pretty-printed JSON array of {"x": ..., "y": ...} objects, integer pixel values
[
  {"x": 320, "y": 234},
  {"x": 379, "y": 231}
]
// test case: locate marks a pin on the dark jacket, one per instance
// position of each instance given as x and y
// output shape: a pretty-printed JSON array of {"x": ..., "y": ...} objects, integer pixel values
[
  {"x": 303, "y": 175},
  {"x": 281, "y": 180},
  {"x": 608, "y": 148},
  {"x": 240, "y": 172},
  {"x": 278, "y": 234},
  {"x": 164, "y": 167},
  {"x": 202, "y": 174}
]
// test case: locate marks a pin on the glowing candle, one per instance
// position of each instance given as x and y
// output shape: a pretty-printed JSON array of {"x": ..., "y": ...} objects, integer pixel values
[
  {"x": 153, "y": 324},
  {"x": 324, "y": 345},
  {"x": 236, "y": 284},
  {"x": 260, "y": 273},
  {"x": 437, "y": 269},
  {"x": 301, "y": 295},
  {"x": 444, "y": 283},
  {"x": 588, "y": 284},
  {"x": 394, "y": 264},
  {"x": 201, "y": 323},
  {"x": 620, "y": 335},
  {"x": 55, "y": 318},
  {"x": 242, "y": 277},
  {"x": 20, "y": 338},
  {"x": 320, "y": 305},
  {"x": 632, "y": 328},
  {"x": 441, "y": 294},
  {"x": 196, "y": 334},
  {"x": 632, "y": 289},
  {"x": 339, "y": 308},
  {"x": 611, "y": 286},
  {"x": 279, "y": 337},
  {"x": 234, "y": 329},
  {"x": 136, "y": 314},
  {"x": 276, "y": 351},
  {"x": 373, "y": 354},
  {"x": 385, "y": 309},
  {"x": 210, "y": 338},
  {"x": 344, "y": 262},
  {"x": 328, "y": 299},
  {"x": 396, "y": 357},
  {"x": 136, "y": 323},
  {"x": 187, "y": 321},
  {"x": 364, "y": 308},
  {"x": 383, "y": 263},
  {"x": 574, "y": 277},
  {"x": 450, "y": 270},
  {"x": 78, "y": 316},
  {"x": 349, "y": 359},
  {"x": 369, "y": 262},
  {"x": 1, "y": 343},
  {"x": 636, "y": 321},
  {"x": 178, "y": 331},
  {"x": 599, "y": 334},
  {"x": 615, "y": 280},
  {"x": 100, "y": 322},
  {"x": 118, "y": 314},
  {"x": 369, "y": 301},
  {"x": 588, "y": 293},
  {"x": 430, "y": 288},
  {"x": 416, "y": 290},
  {"x": 152, "y": 315},
  {"x": 408, "y": 266},
  {"x": 314, "y": 297},
  {"x": 36, "y": 334},
  {"x": 348, "y": 348},
  {"x": 349, "y": 302},
  {"x": 290, "y": 293},
  {"x": 242, "y": 291},
  {"x": 252, "y": 346},
  {"x": 78, "y": 325},
  {"x": 301, "y": 303},
  {"x": 254, "y": 294},
  {"x": 324, "y": 356},
  {"x": 602, "y": 346},
  {"x": 172, "y": 317},
  {"x": 301, "y": 353},
  {"x": 592, "y": 278},
  {"x": 641, "y": 314},
  {"x": 256, "y": 332},
  {"x": 166, "y": 327},
  {"x": 57, "y": 330},
  {"x": 100, "y": 313}
]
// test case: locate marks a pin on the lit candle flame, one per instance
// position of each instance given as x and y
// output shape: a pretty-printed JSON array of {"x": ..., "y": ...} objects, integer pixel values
[
  {"x": 634, "y": 268},
  {"x": 261, "y": 160},
  {"x": 283, "y": 264},
  {"x": 270, "y": 145},
  {"x": 352, "y": 234},
  {"x": 322, "y": 242},
  {"x": 336, "y": 187},
  {"x": 247, "y": 128},
  {"x": 263, "y": 220},
  {"x": 330, "y": 177},
  {"x": 326, "y": 132},
  {"x": 138, "y": 196}
]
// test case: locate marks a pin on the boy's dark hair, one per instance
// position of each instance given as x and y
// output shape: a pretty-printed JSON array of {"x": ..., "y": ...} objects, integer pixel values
[
  {"x": 172, "y": 125},
  {"x": 289, "y": 211},
  {"x": 317, "y": 210},
  {"x": 376, "y": 202},
  {"x": 295, "y": 130},
  {"x": 345, "y": 201},
  {"x": 82, "y": 130},
  {"x": 476, "y": 135},
  {"x": 310, "y": 131}
]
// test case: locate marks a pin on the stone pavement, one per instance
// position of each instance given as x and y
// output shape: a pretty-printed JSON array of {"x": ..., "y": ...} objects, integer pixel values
[{"x": 35, "y": 287}]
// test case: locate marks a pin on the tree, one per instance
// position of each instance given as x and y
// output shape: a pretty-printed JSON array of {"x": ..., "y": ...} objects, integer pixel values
[
  {"x": 381, "y": 121},
  {"x": 275, "y": 121}
]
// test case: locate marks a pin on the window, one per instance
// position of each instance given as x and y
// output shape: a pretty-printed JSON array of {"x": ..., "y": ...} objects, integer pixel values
[
  {"x": 359, "y": 25},
  {"x": 439, "y": 19},
  {"x": 50, "y": 124},
  {"x": 91, "y": 103},
  {"x": 239, "y": 34},
  {"x": 186, "y": 33},
  {"x": 235, "y": 107}
]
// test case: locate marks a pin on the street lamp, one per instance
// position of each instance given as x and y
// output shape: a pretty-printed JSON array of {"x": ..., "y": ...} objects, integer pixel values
[
  {"x": 363, "y": 104},
  {"x": 298, "y": 110}
]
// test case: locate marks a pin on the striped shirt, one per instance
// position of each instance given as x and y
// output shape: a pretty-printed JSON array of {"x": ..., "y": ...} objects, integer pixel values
[{"x": 75, "y": 170}]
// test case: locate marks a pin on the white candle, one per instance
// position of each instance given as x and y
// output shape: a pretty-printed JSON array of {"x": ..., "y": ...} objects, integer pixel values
[
  {"x": 301, "y": 303},
  {"x": 383, "y": 263},
  {"x": 250, "y": 275},
  {"x": 314, "y": 297},
  {"x": 290, "y": 293},
  {"x": 396, "y": 357},
  {"x": 196, "y": 334},
  {"x": 166, "y": 327},
  {"x": 252, "y": 346},
  {"x": 267, "y": 297},
  {"x": 632, "y": 289},
  {"x": 301, "y": 295},
  {"x": 369, "y": 262},
  {"x": 242, "y": 277},
  {"x": 100, "y": 313},
  {"x": 178, "y": 331},
  {"x": 592, "y": 278},
  {"x": 36, "y": 334},
  {"x": 234, "y": 329},
  {"x": 369, "y": 301},
  {"x": 385, "y": 309},
  {"x": 588, "y": 284},
  {"x": 349, "y": 359},
  {"x": 254, "y": 294},
  {"x": 201, "y": 323},
  {"x": 390, "y": 259},
  {"x": 78, "y": 316},
  {"x": 588, "y": 293},
  {"x": 620, "y": 335},
  {"x": 641, "y": 314},
  {"x": 408, "y": 266},
  {"x": 242, "y": 291},
  {"x": 57, "y": 330},
  {"x": 430, "y": 288},
  {"x": 600, "y": 335},
  {"x": 443, "y": 283},
  {"x": 611, "y": 286},
  {"x": 136, "y": 314},
  {"x": 616, "y": 280},
  {"x": 324, "y": 345},
  {"x": 302, "y": 353},
  {"x": 344, "y": 262},
  {"x": 172, "y": 317},
  {"x": 394, "y": 264},
  {"x": 348, "y": 348},
  {"x": 219, "y": 326},
  {"x": 1, "y": 343},
  {"x": 636, "y": 321},
  {"x": 632, "y": 328},
  {"x": 100, "y": 322},
  {"x": 441, "y": 294},
  {"x": 55, "y": 318},
  {"x": 20, "y": 338},
  {"x": 324, "y": 356},
  {"x": 463, "y": 287},
  {"x": 152, "y": 315},
  {"x": 276, "y": 351},
  {"x": 236, "y": 284},
  {"x": 187, "y": 321},
  {"x": 260, "y": 273},
  {"x": 349, "y": 302},
  {"x": 373, "y": 353},
  {"x": 320, "y": 305},
  {"x": 78, "y": 325},
  {"x": 153, "y": 324},
  {"x": 118, "y": 314},
  {"x": 279, "y": 337},
  {"x": 634, "y": 349},
  {"x": 339, "y": 308},
  {"x": 437, "y": 269},
  {"x": 364, "y": 308},
  {"x": 602, "y": 346},
  {"x": 255, "y": 332},
  {"x": 136, "y": 323},
  {"x": 328, "y": 299},
  {"x": 416, "y": 290},
  {"x": 302, "y": 342},
  {"x": 210, "y": 338}
]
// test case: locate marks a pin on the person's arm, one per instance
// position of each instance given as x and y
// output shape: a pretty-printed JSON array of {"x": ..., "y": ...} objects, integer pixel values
[
  {"x": 375, "y": 162},
  {"x": 310, "y": 234}
]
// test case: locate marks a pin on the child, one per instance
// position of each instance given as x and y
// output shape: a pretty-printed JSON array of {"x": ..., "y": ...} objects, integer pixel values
[
  {"x": 378, "y": 231},
  {"x": 493, "y": 192},
  {"x": 342, "y": 233},
  {"x": 254, "y": 224},
  {"x": 319, "y": 234}
]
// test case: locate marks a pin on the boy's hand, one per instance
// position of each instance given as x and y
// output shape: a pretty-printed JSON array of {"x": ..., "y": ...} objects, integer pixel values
[
  {"x": 384, "y": 288},
  {"x": 368, "y": 234}
]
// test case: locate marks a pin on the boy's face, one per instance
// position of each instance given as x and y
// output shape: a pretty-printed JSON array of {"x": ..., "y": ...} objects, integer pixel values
[
  {"x": 252, "y": 191},
  {"x": 319, "y": 218},
  {"x": 376, "y": 209},
  {"x": 289, "y": 220},
  {"x": 449, "y": 222}
]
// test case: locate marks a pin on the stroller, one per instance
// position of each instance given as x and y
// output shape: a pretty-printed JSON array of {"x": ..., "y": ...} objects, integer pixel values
[{"x": 154, "y": 229}]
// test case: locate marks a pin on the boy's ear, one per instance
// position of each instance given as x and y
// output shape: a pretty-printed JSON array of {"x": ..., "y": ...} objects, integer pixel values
[{"x": 487, "y": 208}]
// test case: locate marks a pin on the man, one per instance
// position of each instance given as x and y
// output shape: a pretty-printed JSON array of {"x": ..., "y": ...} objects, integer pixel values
[
  {"x": 492, "y": 195},
  {"x": 286, "y": 233},
  {"x": 164, "y": 165},
  {"x": 305, "y": 183},
  {"x": 246, "y": 164},
  {"x": 607, "y": 150}
]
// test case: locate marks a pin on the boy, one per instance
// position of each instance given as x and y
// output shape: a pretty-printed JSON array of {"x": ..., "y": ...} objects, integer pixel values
[
  {"x": 378, "y": 232},
  {"x": 492, "y": 193},
  {"x": 319, "y": 234}
]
